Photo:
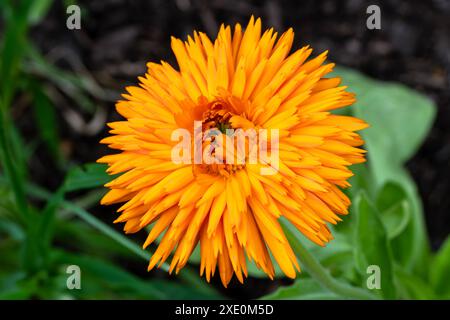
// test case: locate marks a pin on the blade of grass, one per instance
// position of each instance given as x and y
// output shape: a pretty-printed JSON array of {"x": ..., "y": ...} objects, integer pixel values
[
  {"x": 39, "y": 10},
  {"x": 12, "y": 51},
  {"x": 10, "y": 169},
  {"x": 74, "y": 86},
  {"x": 13, "y": 48}
]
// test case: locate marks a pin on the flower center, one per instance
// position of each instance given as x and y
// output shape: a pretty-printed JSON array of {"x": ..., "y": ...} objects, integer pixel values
[{"x": 217, "y": 117}]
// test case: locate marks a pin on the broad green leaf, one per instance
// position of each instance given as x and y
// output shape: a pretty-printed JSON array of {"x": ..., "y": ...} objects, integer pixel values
[
  {"x": 412, "y": 287},
  {"x": 395, "y": 210},
  {"x": 89, "y": 176},
  {"x": 411, "y": 248},
  {"x": 336, "y": 256},
  {"x": 396, "y": 219},
  {"x": 302, "y": 289},
  {"x": 371, "y": 244},
  {"x": 361, "y": 180},
  {"x": 12, "y": 229},
  {"x": 390, "y": 195},
  {"x": 400, "y": 119},
  {"x": 440, "y": 271}
]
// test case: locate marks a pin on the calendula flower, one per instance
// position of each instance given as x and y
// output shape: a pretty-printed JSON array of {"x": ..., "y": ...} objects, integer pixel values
[{"x": 241, "y": 81}]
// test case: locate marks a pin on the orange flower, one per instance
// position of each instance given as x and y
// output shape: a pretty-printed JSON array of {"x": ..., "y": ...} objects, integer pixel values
[{"x": 242, "y": 80}]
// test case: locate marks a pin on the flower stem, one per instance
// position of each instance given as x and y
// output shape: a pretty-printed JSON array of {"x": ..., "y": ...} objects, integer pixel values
[{"x": 320, "y": 274}]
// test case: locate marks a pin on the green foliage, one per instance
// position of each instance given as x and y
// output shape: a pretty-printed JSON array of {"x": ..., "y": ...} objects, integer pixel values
[
  {"x": 111, "y": 278},
  {"x": 386, "y": 225},
  {"x": 394, "y": 208},
  {"x": 89, "y": 176},
  {"x": 38, "y": 11},
  {"x": 46, "y": 121},
  {"x": 39, "y": 238},
  {"x": 440, "y": 271},
  {"x": 371, "y": 244},
  {"x": 400, "y": 119}
]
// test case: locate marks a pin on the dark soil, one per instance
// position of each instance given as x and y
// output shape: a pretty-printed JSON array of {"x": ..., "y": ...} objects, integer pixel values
[{"x": 118, "y": 37}]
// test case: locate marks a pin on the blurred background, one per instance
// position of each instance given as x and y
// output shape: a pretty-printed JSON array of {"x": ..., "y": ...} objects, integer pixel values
[{"x": 68, "y": 81}]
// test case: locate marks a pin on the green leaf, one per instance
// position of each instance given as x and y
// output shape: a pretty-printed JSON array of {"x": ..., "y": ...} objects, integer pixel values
[
  {"x": 396, "y": 219},
  {"x": 39, "y": 10},
  {"x": 392, "y": 202},
  {"x": 89, "y": 176},
  {"x": 361, "y": 180},
  {"x": 440, "y": 271},
  {"x": 11, "y": 53},
  {"x": 82, "y": 237},
  {"x": 44, "y": 113},
  {"x": 371, "y": 244},
  {"x": 390, "y": 195},
  {"x": 12, "y": 164},
  {"x": 336, "y": 256},
  {"x": 412, "y": 287},
  {"x": 75, "y": 86},
  {"x": 108, "y": 274},
  {"x": 10, "y": 246},
  {"x": 190, "y": 278},
  {"x": 318, "y": 272},
  {"x": 126, "y": 284},
  {"x": 411, "y": 247},
  {"x": 12, "y": 50},
  {"x": 16, "y": 285},
  {"x": 400, "y": 119},
  {"x": 302, "y": 289}
]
